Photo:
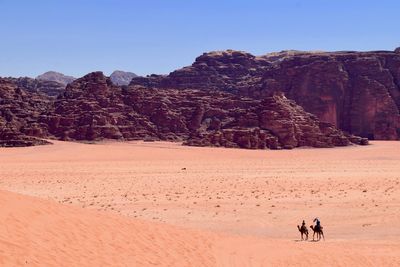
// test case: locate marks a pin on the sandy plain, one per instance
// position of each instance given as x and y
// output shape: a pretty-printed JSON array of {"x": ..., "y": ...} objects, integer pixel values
[{"x": 140, "y": 204}]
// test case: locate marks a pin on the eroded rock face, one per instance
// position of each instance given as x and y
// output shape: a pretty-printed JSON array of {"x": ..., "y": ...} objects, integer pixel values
[
  {"x": 275, "y": 122},
  {"x": 50, "y": 88},
  {"x": 20, "y": 115},
  {"x": 228, "y": 71},
  {"x": 359, "y": 92},
  {"x": 93, "y": 108},
  {"x": 11, "y": 137}
]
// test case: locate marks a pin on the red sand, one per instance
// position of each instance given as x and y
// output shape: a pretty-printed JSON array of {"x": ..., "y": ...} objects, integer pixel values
[{"x": 228, "y": 207}]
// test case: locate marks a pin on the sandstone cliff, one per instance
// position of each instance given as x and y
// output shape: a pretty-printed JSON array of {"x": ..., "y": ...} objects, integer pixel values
[
  {"x": 359, "y": 92},
  {"x": 93, "y": 108},
  {"x": 228, "y": 98},
  {"x": 20, "y": 115},
  {"x": 49, "y": 88}
]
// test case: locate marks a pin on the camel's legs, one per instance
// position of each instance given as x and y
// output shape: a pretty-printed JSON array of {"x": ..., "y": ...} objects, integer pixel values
[{"x": 318, "y": 236}]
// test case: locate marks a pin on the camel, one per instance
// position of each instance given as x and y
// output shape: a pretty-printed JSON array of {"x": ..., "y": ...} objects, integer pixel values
[
  {"x": 319, "y": 233},
  {"x": 303, "y": 230}
]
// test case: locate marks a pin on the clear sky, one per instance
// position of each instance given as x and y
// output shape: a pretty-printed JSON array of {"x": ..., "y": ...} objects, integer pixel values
[{"x": 157, "y": 36}]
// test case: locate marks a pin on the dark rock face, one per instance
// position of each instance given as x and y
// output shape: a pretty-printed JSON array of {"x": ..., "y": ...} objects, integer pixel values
[
  {"x": 50, "y": 88},
  {"x": 11, "y": 137},
  {"x": 228, "y": 71},
  {"x": 93, "y": 108},
  {"x": 122, "y": 77},
  {"x": 359, "y": 92},
  {"x": 274, "y": 122},
  {"x": 56, "y": 77},
  {"x": 20, "y": 115}
]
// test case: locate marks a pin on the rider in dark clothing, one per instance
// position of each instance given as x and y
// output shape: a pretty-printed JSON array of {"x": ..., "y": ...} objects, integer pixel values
[
  {"x": 303, "y": 226},
  {"x": 317, "y": 224}
]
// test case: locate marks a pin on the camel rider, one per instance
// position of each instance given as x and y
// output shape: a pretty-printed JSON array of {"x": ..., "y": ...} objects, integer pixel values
[
  {"x": 303, "y": 225},
  {"x": 317, "y": 224}
]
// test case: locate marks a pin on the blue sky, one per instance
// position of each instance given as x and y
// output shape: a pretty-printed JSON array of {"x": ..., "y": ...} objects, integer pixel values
[{"x": 157, "y": 36}]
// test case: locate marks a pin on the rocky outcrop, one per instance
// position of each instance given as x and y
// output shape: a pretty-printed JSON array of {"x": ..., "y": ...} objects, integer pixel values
[
  {"x": 229, "y": 71},
  {"x": 93, "y": 108},
  {"x": 50, "y": 88},
  {"x": 359, "y": 92},
  {"x": 275, "y": 122},
  {"x": 56, "y": 77},
  {"x": 11, "y": 137},
  {"x": 20, "y": 115},
  {"x": 119, "y": 77}
]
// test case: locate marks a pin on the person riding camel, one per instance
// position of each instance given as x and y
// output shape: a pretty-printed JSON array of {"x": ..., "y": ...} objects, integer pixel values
[
  {"x": 318, "y": 226},
  {"x": 303, "y": 230},
  {"x": 303, "y": 225}
]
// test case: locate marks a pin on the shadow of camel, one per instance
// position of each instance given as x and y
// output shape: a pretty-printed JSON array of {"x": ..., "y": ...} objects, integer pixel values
[{"x": 299, "y": 240}]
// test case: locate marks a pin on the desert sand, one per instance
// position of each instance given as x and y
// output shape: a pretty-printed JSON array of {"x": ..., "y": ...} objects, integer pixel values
[{"x": 139, "y": 204}]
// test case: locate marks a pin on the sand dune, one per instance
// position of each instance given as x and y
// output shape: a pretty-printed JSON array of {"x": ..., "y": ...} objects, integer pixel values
[
  {"x": 186, "y": 206},
  {"x": 42, "y": 233}
]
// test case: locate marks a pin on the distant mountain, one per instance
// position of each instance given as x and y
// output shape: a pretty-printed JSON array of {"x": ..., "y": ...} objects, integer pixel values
[
  {"x": 119, "y": 77},
  {"x": 56, "y": 77}
]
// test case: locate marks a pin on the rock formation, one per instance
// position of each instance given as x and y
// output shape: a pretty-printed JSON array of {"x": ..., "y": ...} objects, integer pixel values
[
  {"x": 228, "y": 98},
  {"x": 119, "y": 77},
  {"x": 93, "y": 108},
  {"x": 50, "y": 88},
  {"x": 20, "y": 115},
  {"x": 56, "y": 77},
  {"x": 359, "y": 92}
]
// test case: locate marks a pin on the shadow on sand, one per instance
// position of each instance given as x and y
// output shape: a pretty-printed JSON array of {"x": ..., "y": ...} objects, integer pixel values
[{"x": 299, "y": 240}]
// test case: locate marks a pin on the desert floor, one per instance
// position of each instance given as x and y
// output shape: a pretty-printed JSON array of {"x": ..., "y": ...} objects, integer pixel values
[{"x": 136, "y": 203}]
